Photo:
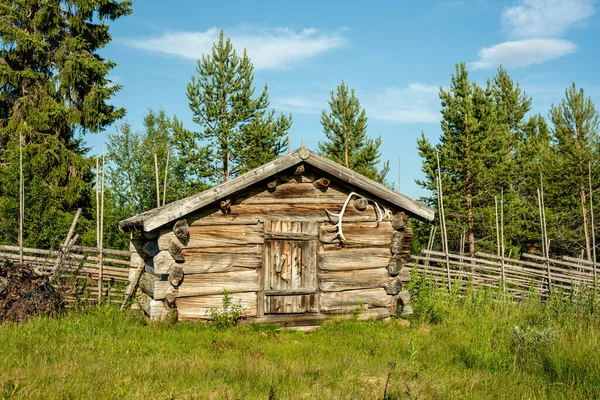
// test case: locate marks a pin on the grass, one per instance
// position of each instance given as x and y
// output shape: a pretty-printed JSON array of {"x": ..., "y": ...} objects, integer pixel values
[{"x": 473, "y": 346}]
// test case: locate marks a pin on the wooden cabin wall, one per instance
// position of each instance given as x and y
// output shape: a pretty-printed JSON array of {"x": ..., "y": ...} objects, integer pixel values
[{"x": 225, "y": 251}]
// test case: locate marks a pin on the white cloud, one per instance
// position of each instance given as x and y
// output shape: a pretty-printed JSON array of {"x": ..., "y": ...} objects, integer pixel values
[
  {"x": 545, "y": 18},
  {"x": 301, "y": 104},
  {"x": 416, "y": 103},
  {"x": 523, "y": 53},
  {"x": 267, "y": 48}
]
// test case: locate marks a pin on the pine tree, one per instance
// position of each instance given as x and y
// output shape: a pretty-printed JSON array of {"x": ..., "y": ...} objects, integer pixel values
[
  {"x": 54, "y": 89},
  {"x": 240, "y": 132},
  {"x": 512, "y": 106},
  {"x": 131, "y": 169},
  {"x": 575, "y": 136},
  {"x": 345, "y": 128},
  {"x": 473, "y": 152}
]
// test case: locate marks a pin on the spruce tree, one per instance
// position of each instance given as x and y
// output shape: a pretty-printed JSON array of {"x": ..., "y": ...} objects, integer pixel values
[
  {"x": 54, "y": 90},
  {"x": 473, "y": 151},
  {"x": 240, "y": 132},
  {"x": 575, "y": 135},
  {"x": 345, "y": 127}
]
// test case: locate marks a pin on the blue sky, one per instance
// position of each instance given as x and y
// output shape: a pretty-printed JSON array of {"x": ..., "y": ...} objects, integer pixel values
[{"x": 396, "y": 55}]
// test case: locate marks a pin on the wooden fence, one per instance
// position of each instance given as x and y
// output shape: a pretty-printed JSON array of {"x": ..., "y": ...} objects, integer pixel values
[
  {"x": 516, "y": 276},
  {"x": 76, "y": 270}
]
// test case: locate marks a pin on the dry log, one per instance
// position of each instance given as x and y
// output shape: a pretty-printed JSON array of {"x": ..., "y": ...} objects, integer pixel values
[
  {"x": 272, "y": 185},
  {"x": 359, "y": 233},
  {"x": 311, "y": 210},
  {"x": 395, "y": 265},
  {"x": 176, "y": 252},
  {"x": 399, "y": 221},
  {"x": 322, "y": 183},
  {"x": 136, "y": 246},
  {"x": 156, "y": 310},
  {"x": 162, "y": 262},
  {"x": 354, "y": 300},
  {"x": 231, "y": 259},
  {"x": 175, "y": 275},
  {"x": 360, "y": 203},
  {"x": 347, "y": 259},
  {"x": 147, "y": 282},
  {"x": 225, "y": 206},
  {"x": 181, "y": 230},
  {"x": 207, "y": 284},
  {"x": 397, "y": 243},
  {"x": 404, "y": 297},
  {"x": 352, "y": 280},
  {"x": 309, "y": 319},
  {"x": 217, "y": 236},
  {"x": 393, "y": 287},
  {"x": 151, "y": 248},
  {"x": 189, "y": 308}
]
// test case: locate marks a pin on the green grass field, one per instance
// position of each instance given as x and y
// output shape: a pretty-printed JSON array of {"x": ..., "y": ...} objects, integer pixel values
[{"x": 476, "y": 346}]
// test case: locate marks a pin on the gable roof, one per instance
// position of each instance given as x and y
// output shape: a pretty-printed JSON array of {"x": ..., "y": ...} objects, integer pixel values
[{"x": 160, "y": 216}]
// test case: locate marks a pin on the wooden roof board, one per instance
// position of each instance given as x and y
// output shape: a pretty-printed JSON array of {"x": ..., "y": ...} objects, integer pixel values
[{"x": 160, "y": 216}]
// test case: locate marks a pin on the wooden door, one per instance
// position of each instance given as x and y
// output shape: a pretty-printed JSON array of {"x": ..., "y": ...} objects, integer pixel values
[{"x": 290, "y": 267}]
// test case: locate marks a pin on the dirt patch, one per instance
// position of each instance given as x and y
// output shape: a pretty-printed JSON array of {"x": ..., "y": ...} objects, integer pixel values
[{"x": 23, "y": 293}]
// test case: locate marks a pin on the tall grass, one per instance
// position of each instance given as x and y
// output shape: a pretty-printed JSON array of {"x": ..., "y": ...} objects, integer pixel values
[{"x": 475, "y": 345}]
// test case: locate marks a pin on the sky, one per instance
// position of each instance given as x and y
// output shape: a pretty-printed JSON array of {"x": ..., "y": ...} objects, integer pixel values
[{"x": 396, "y": 55}]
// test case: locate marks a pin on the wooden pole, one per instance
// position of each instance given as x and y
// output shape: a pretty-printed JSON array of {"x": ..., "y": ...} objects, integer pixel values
[
  {"x": 502, "y": 241},
  {"x": 443, "y": 220},
  {"x": 398, "y": 187},
  {"x": 98, "y": 204},
  {"x": 544, "y": 247},
  {"x": 101, "y": 253},
  {"x": 21, "y": 197},
  {"x": 592, "y": 222},
  {"x": 166, "y": 174},
  {"x": 157, "y": 183}
]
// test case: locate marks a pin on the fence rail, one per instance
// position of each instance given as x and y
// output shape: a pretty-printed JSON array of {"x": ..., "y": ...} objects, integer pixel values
[
  {"x": 520, "y": 276},
  {"x": 76, "y": 270}
]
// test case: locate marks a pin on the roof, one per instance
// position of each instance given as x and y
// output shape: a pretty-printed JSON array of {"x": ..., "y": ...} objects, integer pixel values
[{"x": 168, "y": 213}]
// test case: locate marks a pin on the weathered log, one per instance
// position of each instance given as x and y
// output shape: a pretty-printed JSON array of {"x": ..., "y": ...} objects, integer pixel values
[
  {"x": 309, "y": 208},
  {"x": 156, "y": 310},
  {"x": 176, "y": 252},
  {"x": 310, "y": 319},
  {"x": 217, "y": 236},
  {"x": 397, "y": 243},
  {"x": 203, "y": 263},
  {"x": 147, "y": 282},
  {"x": 207, "y": 284},
  {"x": 393, "y": 287},
  {"x": 395, "y": 265},
  {"x": 272, "y": 185},
  {"x": 399, "y": 221},
  {"x": 181, "y": 230},
  {"x": 151, "y": 248},
  {"x": 322, "y": 183},
  {"x": 354, "y": 300},
  {"x": 225, "y": 206},
  {"x": 352, "y": 280},
  {"x": 359, "y": 233},
  {"x": 404, "y": 297},
  {"x": 175, "y": 275},
  {"x": 361, "y": 203},
  {"x": 347, "y": 259},
  {"x": 162, "y": 262},
  {"x": 200, "y": 307}
]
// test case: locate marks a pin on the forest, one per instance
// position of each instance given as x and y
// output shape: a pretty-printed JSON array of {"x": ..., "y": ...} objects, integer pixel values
[{"x": 56, "y": 92}]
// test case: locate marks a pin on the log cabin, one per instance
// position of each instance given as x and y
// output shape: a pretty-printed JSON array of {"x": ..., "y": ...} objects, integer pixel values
[{"x": 296, "y": 241}]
